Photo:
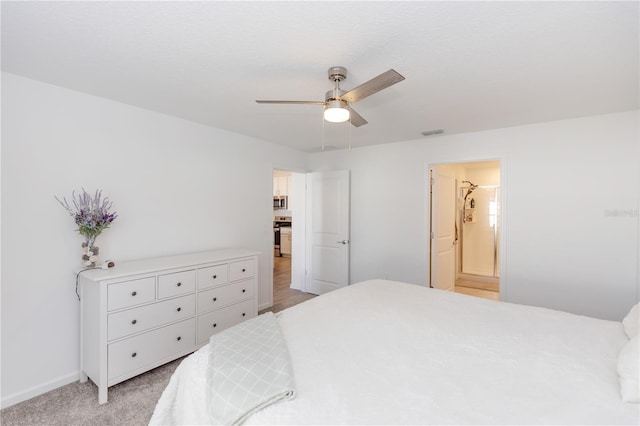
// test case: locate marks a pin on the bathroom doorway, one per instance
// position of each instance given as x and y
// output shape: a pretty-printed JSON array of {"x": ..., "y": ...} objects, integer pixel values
[{"x": 476, "y": 222}]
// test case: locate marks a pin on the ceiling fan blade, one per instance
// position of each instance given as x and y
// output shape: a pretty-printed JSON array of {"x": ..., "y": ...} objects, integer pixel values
[
  {"x": 372, "y": 86},
  {"x": 292, "y": 102},
  {"x": 356, "y": 119}
]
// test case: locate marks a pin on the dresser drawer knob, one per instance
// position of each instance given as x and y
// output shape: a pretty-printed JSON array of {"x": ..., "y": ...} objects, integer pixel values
[
  {"x": 215, "y": 298},
  {"x": 215, "y": 276},
  {"x": 179, "y": 338},
  {"x": 134, "y": 322},
  {"x": 243, "y": 290},
  {"x": 133, "y": 355},
  {"x": 215, "y": 325},
  {"x": 243, "y": 314},
  {"x": 244, "y": 270},
  {"x": 179, "y": 309},
  {"x": 179, "y": 284},
  {"x": 134, "y": 293}
]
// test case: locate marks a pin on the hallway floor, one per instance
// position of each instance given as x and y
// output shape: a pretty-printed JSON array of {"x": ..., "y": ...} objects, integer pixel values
[
  {"x": 481, "y": 289},
  {"x": 283, "y": 295}
]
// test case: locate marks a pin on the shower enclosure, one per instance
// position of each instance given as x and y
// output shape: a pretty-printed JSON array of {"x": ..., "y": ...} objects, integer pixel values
[{"x": 479, "y": 230}]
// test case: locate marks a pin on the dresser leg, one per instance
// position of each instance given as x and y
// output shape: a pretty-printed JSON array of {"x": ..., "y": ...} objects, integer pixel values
[
  {"x": 83, "y": 377},
  {"x": 102, "y": 395}
]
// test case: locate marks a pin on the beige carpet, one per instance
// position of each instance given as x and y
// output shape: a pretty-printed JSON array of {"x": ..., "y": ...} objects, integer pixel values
[{"x": 130, "y": 403}]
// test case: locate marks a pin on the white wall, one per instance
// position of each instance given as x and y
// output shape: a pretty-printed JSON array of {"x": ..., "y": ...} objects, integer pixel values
[
  {"x": 177, "y": 186},
  {"x": 562, "y": 184}
]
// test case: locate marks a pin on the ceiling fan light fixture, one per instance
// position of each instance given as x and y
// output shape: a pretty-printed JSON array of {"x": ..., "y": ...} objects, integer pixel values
[{"x": 336, "y": 112}]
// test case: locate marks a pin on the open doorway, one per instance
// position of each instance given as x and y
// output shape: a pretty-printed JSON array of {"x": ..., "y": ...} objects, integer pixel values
[
  {"x": 282, "y": 233},
  {"x": 465, "y": 222},
  {"x": 288, "y": 239}
]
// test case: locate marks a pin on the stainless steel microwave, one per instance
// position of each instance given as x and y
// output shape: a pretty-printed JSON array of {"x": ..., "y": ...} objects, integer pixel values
[{"x": 280, "y": 202}]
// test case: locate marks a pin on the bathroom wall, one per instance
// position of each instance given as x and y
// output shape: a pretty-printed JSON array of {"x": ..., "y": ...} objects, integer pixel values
[{"x": 478, "y": 238}]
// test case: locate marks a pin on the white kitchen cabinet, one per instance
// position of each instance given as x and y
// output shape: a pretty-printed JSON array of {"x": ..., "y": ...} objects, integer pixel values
[
  {"x": 281, "y": 185},
  {"x": 289, "y": 190},
  {"x": 285, "y": 240},
  {"x": 142, "y": 314}
]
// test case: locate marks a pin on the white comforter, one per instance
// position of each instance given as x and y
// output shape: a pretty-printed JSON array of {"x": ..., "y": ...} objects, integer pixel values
[{"x": 383, "y": 352}]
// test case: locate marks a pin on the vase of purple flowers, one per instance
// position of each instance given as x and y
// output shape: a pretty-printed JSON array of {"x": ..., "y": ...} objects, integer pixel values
[{"x": 92, "y": 215}]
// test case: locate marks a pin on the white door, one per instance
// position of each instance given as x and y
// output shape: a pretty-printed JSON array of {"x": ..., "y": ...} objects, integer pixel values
[
  {"x": 327, "y": 234},
  {"x": 443, "y": 232}
]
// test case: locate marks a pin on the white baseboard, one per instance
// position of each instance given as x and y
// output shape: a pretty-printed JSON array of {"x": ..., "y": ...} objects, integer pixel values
[
  {"x": 264, "y": 306},
  {"x": 8, "y": 401},
  {"x": 296, "y": 286}
]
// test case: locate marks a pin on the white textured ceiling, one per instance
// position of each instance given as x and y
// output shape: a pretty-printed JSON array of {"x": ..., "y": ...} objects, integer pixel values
[{"x": 469, "y": 66}]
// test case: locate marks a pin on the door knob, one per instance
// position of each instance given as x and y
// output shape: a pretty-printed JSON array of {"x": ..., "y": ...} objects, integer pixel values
[{"x": 343, "y": 242}]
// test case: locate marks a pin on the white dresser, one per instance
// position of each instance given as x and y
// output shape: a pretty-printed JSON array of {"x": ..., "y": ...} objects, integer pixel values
[{"x": 145, "y": 313}]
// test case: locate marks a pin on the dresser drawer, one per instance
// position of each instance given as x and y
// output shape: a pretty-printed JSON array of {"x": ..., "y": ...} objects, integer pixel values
[
  {"x": 225, "y": 295},
  {"x": 136, "y": 352},
  {"x": 131, "y": 293},
  {"x": 213, "y": 322},
  {"x": 241, "y": 270},
  {"x": 212, "y": 276},
  {"x": 170, "y": 285},
  {"x": 135, "y": 320}
]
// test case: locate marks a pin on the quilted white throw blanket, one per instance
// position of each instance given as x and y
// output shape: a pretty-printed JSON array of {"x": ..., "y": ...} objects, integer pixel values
[{"x": 249, "y": 369}]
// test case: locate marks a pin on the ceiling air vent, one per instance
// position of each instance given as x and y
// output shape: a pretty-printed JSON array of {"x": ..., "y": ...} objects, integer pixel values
[{"x": 432, "y": 132}]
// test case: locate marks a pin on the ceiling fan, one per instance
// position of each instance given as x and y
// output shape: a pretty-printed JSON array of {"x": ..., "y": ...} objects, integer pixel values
[{"x": 337, "y": 103}]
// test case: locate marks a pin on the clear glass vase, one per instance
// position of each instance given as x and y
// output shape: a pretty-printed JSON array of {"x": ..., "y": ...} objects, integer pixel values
[{"x": 90, "y": 253}]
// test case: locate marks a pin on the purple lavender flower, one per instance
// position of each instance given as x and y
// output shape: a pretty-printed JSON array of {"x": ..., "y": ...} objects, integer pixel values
[{"x": 91, "y": 214}]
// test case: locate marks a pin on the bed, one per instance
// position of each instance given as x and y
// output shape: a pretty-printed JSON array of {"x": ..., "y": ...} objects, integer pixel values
[{"x": 385, "y": 352}]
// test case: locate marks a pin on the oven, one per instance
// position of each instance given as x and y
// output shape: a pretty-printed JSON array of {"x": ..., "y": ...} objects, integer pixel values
[{"x": 279, "y": 222}]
